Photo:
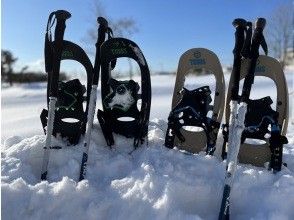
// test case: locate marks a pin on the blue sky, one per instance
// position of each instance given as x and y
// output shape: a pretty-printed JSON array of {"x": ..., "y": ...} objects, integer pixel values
[{"x": 166, "y": 28}]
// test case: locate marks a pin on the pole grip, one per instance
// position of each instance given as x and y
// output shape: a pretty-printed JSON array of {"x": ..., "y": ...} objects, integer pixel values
[
  {"x": 257, "y": 40},
  {"x": 240, "y": 25},
  {"x": 61, "y": 16},
  {"x": 258, "y": 37},
  {"x": 102, "y": 30}
]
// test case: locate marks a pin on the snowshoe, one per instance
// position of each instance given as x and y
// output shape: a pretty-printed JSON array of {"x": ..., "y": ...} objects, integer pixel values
[
  {"x": 191, "y": 107},
  {"x": 70, "y": 115},
  {"x": 120, "y": 98},
  {"x": 261, "y": 121}
]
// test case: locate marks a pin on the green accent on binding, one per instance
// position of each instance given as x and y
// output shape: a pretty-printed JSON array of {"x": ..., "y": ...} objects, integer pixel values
[{"x": 70, "y": 105}]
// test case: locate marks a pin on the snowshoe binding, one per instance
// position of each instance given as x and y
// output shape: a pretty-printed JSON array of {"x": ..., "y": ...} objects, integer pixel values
[
  {"x": 261, "y": 121},
  {"x": 70, "y": 115},
  {"x": 191, "y": 107},
  {"x": 120, "y": 98}
]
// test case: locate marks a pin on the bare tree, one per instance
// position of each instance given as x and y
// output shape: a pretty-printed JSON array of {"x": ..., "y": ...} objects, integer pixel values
[
  {"x": 280, "y": 33},
  {"x": 121, "y": 27},
  {"x": 23, "y": 69},
  {"x": 7, "y": 61}
]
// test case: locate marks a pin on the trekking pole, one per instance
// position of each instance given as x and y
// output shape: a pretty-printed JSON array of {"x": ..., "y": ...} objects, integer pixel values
[
  {"x": 102, "y": 30},
  {"x": 53, "y": 68},
  {"x": 238, "y": 126},
  {"x": 240, "y": 25}
]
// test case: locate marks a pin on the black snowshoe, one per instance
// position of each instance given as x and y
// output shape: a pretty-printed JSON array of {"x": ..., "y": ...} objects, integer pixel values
[
  {"x": 120, "y": 98},
  {"x": 70, "y": 114}
]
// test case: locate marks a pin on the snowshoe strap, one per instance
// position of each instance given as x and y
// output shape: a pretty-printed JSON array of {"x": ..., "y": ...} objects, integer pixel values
[
  {"x": 143, "y": 127},
  {"x": 225, "y": 132},
  {"x": 259, "y": 117},
  {"x": 70, "y": 118},
  {"x": 211, "y": 134},
  {"x": 105, "y": 127},
  {"x": 121, "y": 102},
  {"x": 276, "y": 146},
  {"x": 43, "y": 117},
  {"x": 192, "y": 111},
  {"x": 70, "y": 99}
]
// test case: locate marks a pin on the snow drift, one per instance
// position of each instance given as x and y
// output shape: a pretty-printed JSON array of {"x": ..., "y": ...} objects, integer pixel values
[{"x": 152, "y": 182}]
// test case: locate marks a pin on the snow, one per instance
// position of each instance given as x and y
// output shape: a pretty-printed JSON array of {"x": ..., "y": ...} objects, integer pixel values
[{"x": 151, "y": 183}]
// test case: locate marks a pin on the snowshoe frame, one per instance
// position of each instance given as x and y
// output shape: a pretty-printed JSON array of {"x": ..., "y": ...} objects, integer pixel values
[
  {"x": 70, "y": 92},
  {"x": 113, "y": 49},
  {"x": 259, "y": 154},
  {"x": 197, "y": 58}
]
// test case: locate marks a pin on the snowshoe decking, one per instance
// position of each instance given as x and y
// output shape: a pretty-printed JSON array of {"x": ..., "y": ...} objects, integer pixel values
[
  {"x": 70, "y": 115},
  {"x": 120, "y": 98},
  {"x": 260, "y": 116},
  {"x": 190, "y": 108}
]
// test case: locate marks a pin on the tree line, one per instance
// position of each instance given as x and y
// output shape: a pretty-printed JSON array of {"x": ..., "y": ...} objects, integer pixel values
[{"x": 8, "y": 75}]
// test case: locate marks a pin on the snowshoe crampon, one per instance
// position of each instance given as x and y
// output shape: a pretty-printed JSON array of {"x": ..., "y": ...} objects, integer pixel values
[
  {"x": 70, "y": 114},
  {"x": 191, "y": 107},
  {"x": 261, "y": 121},
  {"x": 120, "y": 98}
]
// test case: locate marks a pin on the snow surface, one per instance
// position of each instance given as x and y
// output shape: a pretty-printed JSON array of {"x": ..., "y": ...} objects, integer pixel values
[{"x": 151, "y": 183}]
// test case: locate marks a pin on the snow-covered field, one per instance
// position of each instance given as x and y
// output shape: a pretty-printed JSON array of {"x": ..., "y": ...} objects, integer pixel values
[{"x": 151, "y": 183}]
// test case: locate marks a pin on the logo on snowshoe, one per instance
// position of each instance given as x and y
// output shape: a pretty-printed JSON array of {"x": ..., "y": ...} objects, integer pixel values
[
  {"x": 119, "y": 48},
  {"x": 197, "y": 54},
  {"x": 198, "y": 60},
  {"x": 259, "y": 68},
  {"x": 119, "y": 51},
  {"x": 66, "y": 54}
]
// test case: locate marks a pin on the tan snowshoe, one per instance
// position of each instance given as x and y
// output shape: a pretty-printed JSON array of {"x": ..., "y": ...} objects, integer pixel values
[
  {"x": 259, "y": 110},
  {"x": 190, "y": 107}
]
